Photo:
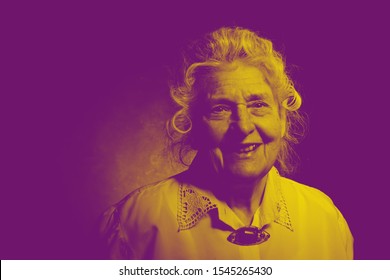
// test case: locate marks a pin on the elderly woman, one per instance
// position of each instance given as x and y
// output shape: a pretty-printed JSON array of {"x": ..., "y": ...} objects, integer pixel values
[{"x": 239, "y": 111}]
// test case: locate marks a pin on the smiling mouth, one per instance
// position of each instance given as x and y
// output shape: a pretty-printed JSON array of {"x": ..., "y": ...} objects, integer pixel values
[{"x": 246, "y": 148}]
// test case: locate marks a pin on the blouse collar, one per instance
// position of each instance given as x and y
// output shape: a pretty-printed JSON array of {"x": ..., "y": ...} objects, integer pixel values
[{"x": 194, "y": 203}]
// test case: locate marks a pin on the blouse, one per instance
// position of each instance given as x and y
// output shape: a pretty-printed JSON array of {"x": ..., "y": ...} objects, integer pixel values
[{"x": 173, "y": 219}]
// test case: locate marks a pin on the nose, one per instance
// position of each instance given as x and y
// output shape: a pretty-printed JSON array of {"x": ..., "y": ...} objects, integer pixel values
[{"x": 242, "y": 121}]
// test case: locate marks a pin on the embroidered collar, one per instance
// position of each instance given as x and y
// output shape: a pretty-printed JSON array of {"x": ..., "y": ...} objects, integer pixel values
[{"x": 194, "y": 204}]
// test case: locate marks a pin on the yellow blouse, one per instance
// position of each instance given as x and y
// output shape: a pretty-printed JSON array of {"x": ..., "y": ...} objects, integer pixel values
[{"x": 175, "y": 220}]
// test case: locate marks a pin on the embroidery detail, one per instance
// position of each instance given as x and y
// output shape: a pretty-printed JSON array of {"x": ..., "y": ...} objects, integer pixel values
[
  {"x": 192, "y": 207},
  {"x": 284, "y": 217}
]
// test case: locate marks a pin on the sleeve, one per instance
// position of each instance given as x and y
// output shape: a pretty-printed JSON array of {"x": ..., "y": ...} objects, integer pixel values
[
  {"x": 346, "y": 235},
  {"x": 113, "y": 238}
]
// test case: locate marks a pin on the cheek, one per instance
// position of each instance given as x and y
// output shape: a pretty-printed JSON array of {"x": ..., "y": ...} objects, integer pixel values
[
  {"x": 214, "y": 131},
  {"x": 270, "y": 130}
]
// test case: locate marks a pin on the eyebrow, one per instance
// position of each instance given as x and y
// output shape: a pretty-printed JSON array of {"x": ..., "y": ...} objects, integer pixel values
[
  {"x": 256, "y": 96},
  {"x": 248, "y": 98}
]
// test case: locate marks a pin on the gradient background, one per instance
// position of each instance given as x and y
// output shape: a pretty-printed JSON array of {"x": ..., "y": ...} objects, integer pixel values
[{"x": 84, "y": 97}]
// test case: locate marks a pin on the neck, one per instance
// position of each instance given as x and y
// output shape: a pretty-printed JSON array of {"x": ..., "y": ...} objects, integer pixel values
[{"x": 243, "y": 195}]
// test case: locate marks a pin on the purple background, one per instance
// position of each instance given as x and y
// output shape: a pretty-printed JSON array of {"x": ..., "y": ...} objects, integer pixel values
[{"x": 84, "y": 90}]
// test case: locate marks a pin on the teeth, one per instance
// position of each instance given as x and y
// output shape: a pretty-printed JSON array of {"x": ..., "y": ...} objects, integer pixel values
[{"x": 248, "y": 149}]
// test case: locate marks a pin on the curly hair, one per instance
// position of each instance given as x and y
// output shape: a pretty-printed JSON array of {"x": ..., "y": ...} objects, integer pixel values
[{"x": 222, "y": 46}]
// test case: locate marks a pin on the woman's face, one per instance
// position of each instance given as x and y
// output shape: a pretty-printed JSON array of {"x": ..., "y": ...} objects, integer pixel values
[{"x": 242, "y": 123}]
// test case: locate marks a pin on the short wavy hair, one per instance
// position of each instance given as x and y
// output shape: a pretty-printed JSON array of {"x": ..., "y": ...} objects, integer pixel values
[{"x": 222, "y": 46}]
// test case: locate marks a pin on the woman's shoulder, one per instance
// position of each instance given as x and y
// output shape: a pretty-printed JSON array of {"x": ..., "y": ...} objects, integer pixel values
[
  {"x": 311, "y": 206},
  {"x": 153, "y": 191},
  {"x": 148, "y": 197},
  {"x": 138, "y": 212},
  {"x": 305, "y": 196}
]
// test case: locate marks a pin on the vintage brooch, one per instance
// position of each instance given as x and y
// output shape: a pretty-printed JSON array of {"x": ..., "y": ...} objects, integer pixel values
[{"x": 248, "y": 236}]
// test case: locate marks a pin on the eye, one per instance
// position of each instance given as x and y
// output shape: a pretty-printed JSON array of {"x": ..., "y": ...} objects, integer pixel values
[
  {"x": 218, "y": 109},
  {"x": 220, "y": 112},
  {"x": 258, "y": 107},
  {"x": 258, "y": 104}
]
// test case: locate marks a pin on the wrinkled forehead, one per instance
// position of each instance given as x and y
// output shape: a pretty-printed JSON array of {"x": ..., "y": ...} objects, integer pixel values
[{"x": 235, "y": 80}]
